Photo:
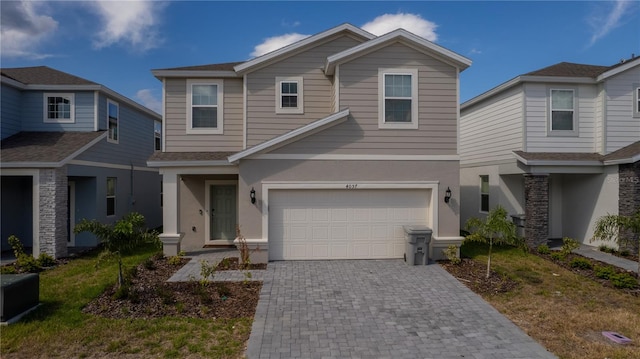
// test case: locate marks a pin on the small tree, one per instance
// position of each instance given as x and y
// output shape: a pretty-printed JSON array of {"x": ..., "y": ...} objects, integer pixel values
[
  {"x": 127, "y": 233},
  {"x": 611, "y": 226},
  {"x": 496, "y": 228}
]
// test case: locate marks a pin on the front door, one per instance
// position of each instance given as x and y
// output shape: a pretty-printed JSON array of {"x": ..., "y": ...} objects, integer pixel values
[{"x": 222, "y": 212}]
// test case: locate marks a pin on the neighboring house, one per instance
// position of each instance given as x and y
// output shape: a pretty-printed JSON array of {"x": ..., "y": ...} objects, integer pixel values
[
  {"x": 560, "y": 145},
  {"x": 323, "y": 149},
  {"x": 72, "y": 149}
]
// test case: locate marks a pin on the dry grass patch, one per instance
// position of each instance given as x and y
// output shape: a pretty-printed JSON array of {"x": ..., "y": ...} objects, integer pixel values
[{"x": 562, "y": 310}]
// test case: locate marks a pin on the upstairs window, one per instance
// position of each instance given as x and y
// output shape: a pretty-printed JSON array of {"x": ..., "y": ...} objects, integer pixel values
[
  {"x": 398, "y": 100},
  {"x": 59, "y": 108},
  {"x": 113, "y": 119},
  {"x": 289, "y": 95},
  {"x": 636, "y": 101},
  {"x": 562, "y": 116},
  {"x": 484, "y": 194},
  {"x": 111, "y": 196},
  {"x": 157, "y": 136},
  {"x": 204, "y": 107}
]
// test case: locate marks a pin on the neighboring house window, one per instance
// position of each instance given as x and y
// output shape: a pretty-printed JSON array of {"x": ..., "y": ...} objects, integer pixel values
[
  {"x": 289, "y": 95},
  {"x": 484, "y": 194},
  {"x": 113, "y": 119},
  {"x": 59, "y": 108},
  {"x": 398, "y": 100},
  {"x": 157, "y": 135},
  {"x": 636, "y": 102},
  {"x": 204, "y": 107},
  {"x": 111, "y": 196},
  {"x": 562, "y": 116}
]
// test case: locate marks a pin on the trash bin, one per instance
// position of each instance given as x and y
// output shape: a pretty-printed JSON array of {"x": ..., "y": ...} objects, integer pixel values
[{"x": 417, "y": 242}]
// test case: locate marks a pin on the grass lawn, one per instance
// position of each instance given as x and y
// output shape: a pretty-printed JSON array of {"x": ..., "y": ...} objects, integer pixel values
[
  {"x": 59, "y": 329},
  {"x": 562, "y": 310}
]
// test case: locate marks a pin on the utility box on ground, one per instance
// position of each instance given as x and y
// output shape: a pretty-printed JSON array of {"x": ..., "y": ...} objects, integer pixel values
[
  {"x": 19, "y": 293},
  {"x": 417, "y": 242}
]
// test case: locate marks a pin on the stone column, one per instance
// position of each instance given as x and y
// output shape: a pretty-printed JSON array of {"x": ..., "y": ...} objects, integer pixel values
[
  {"x": 53, "y": 212},
  {"x": 629, "y": 200},
  {"x": 536, "y": 198}
]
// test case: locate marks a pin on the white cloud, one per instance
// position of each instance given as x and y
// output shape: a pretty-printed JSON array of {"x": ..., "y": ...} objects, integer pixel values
[
  {"x": 23, "y": 29},
  {"x": 276, "y": 42},
  {"x": 475, "y": 51},
  {"x": 604, "y": 22},
  {"x": 411, "y": 22},
  {"x": 146, "y": 97},
  {"x": 131, "y": 22}
]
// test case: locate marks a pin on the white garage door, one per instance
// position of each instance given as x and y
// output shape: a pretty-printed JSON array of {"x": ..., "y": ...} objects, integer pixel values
[{"x": 343, "y": 224}]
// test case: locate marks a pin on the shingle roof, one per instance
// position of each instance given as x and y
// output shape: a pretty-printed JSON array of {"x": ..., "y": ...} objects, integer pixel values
[
  {"x": 559, "y": 156},
  {"x": 43, "y": 75},
  {"x": 48, "y": 147},
  {"x": 626, "y": 152},
  {"x": 189, "y": 156},
  {"x": 227, "y": 66},
  {"x": 568, "y": 69}
]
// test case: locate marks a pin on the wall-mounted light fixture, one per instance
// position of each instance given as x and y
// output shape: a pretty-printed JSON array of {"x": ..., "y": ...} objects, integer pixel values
[
  {"x": 252, "y": 195},
  {"x": 447, "y": 195}
]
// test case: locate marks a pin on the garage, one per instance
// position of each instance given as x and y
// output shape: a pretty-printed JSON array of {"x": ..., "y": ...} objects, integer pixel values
[{"x": 308, "y": 224}]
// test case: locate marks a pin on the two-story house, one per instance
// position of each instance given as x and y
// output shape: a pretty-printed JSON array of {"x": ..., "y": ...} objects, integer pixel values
[
  {"x": 72, "y": 149},
  {"x": 560, "y": 145},
  {"x": 322, "y": 149}
]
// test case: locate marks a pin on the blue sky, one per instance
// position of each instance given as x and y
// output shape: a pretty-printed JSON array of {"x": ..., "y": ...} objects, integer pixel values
[{"x": 117, "y": 43}]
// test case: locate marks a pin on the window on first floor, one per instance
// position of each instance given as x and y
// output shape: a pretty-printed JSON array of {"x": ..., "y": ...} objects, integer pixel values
[
  {"x": 484, "y": 194},
  {"x": 113, "y": 121},
  {"x": 111, "y": 195},
  {"x": 59, "y": 108},
  {"x": 398, "y": 100},
  {"x": 157, "y": 136}
]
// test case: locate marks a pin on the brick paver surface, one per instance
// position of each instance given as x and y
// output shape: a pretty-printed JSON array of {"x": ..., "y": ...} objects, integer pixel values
[{"x": 378, "y": 309}]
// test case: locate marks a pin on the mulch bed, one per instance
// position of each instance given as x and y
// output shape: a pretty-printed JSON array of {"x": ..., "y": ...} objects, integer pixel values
[
  {"x": 474, "y": 275},
  {"x": 151, "y": 296}
]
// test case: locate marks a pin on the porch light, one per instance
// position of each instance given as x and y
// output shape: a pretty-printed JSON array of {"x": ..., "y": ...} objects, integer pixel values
[
  {"x": 447, "y": 195},
  {"x": 252, "y": 195}
]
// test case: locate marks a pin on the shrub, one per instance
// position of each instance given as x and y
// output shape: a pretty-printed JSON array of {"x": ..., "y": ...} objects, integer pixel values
[
  {"x": 452, "y": 254},
  {"x": 558, "y": 256},
  {"x": 568, "y": 245},
  {"x": 604, "y": 272},
  {"x": 8, "y": 270},
  {"x": 625, "y": 253},
  {"x": 581, "y": 263},
  {"x": 149, "y": 264},
  {"x": 544, "y": 249},
  {"x": 45, "y": 260},
  {"x": 206, "y": 271},
  {"x": 28, "y": 264},
  {"x": 175, "y": 260},
  {"x": 605, "y": 248},
  {"x": 623, "y": 280}
]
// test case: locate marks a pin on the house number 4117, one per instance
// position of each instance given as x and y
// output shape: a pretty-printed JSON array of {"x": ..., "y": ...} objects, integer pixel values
[{"x": 351, "y": 186}]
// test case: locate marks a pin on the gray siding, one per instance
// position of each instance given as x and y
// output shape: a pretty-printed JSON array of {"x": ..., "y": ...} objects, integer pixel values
[
  {"x": 622, "y": 128},
  {"x": 263, "y": 122},
  {"x": 492, "y": 129},
  {"x": 177, "y": 139},
  {"x": 437, "y": 109},
  {"x": 33, "y": 112},
  {"x": 10, "y": 111}
]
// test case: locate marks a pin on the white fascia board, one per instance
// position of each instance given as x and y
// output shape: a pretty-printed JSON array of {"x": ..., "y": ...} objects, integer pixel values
[
  {"x": 189, "y": 163},
  {"x": 623, "y": 161},
  {"x": 354, "y": 157},
  {"x": 553, "y": 163},
  {"x": 246, "y": 66},
  {"x": 159, "y": 74},
  {"x": 628, "y": 65},
  {"x": 458, "y": 60},
  {"x": 290, "y": 135}
]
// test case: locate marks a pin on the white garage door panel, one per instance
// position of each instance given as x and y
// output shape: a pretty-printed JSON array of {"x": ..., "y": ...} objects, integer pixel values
[{"x": 343, "y": 224}]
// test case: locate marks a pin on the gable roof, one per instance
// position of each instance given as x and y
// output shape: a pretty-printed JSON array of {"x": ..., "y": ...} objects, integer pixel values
[
  {"x": 43, "y": 75},
  {"x": 46, "y": 149},
  {"x": 292, "y": 48},
  {"x": 398, "y": 35},
  {"x": 561, "y": 72}
]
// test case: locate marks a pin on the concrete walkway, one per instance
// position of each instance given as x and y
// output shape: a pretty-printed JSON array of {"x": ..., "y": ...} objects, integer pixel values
[{"x": 595, "y": 253}]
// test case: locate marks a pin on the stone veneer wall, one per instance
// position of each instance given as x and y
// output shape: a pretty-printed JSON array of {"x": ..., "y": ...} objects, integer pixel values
[
  {"x": 53, "y": 212},
  {"x": 536, "y": 197},
  {"x": 629, "y": 198}
]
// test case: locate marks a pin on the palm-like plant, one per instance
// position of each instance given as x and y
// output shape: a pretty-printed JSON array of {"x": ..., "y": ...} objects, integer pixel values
[
  {"x": 127, "y": 233},
  {"x": 496, "y": 228},
  {"x": 609, "y": 227}
]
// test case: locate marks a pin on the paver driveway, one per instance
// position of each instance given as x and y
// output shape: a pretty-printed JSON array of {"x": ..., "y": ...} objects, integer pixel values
[{"x": 378, "y": 309}]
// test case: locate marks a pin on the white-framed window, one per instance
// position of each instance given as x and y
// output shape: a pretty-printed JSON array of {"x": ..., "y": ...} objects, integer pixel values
[
  {"x": 204, "y": 107},
  {"x": 398, "y": 98},
  {"x": 562, "y": 114},
  {"x": 484, "y": 193},
  {"x": 111, "y": 195},
  {"x": 290, "y": 95},
  {"x": 59, "y": 108},
  {"x": 157, "y": 135},
  {"x": 636, "y": 100},
  {"x": 113, "y": 121}
]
